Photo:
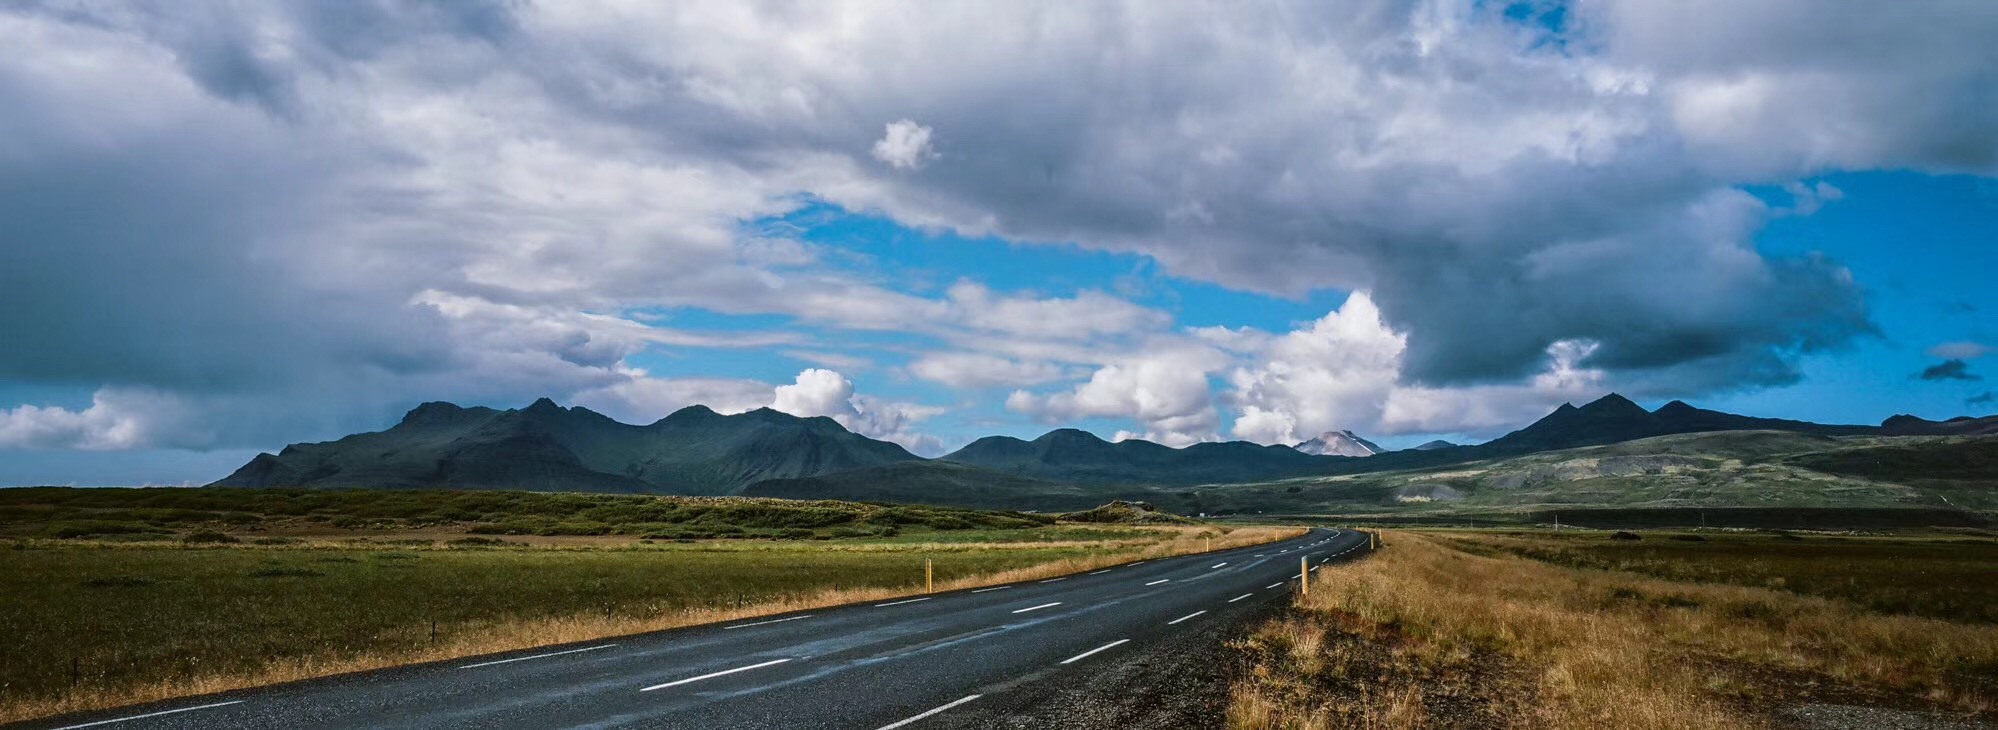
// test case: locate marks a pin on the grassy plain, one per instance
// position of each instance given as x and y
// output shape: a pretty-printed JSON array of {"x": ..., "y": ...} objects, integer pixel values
[
  {"x": 154, "y": 514},
  {"x": 205, "y": 594},
  {"x": 1739, "y": 469},
  {"x": 1465, "y": 630},
  {"x": 1953, "y": 577}
]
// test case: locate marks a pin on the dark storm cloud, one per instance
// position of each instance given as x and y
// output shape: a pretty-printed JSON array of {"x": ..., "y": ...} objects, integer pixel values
[
  {"x": 229, "y": 51},
  {"x": 151, "y": 263},
  {"x": 418, "y": 199},
  {"x": 1948, "y": 370}
]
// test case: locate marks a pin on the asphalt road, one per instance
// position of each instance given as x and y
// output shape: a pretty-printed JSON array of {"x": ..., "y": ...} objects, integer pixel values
[{"x": 964, "y": 659}]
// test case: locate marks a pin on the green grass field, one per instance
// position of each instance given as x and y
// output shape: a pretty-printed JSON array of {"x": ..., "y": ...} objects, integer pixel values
[
  {"x": 131, "y": 614},
  {"x": 121, "y": 596},
  {"x": 1938, "y": 577},
  {"x": 157, "y": 514}
]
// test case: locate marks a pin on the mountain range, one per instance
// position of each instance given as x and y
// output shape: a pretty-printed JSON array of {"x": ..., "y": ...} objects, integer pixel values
[
  {"x": 765, "y": 452},
  {"x": 1072, "y": 455},
  {"x": 546, "y": 447}
]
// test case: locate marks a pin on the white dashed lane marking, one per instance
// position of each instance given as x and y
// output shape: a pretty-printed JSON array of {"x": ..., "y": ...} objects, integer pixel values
[
  {"x": 900, "y": 723},
  {"x": 152, "y": 714},
  {"x": 762, "y": 623},
  {"x": 1086, "y": 654},
  {"x": 712, "y": 675}
]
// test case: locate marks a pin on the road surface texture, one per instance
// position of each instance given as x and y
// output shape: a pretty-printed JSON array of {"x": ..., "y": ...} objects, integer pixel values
[{"x": 1058, "y": 653}]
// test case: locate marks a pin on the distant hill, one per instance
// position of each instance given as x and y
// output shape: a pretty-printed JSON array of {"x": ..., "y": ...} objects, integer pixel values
[
  {"x": 546, "y": 447},
  {"x": 1070, "y": 455},
  {"x": 696, "y": 451},
  {"x": 932, "y": 482},
  {"x": 1767, "y": 469},
  {"x": 1615, "y": 419},
  {"x": 1339, "y": 443},
  {"x": 1129, "y": 513}
]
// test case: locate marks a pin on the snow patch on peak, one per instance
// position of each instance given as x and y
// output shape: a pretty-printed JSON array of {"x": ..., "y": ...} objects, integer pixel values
[{"x": 1339, "y": 443}]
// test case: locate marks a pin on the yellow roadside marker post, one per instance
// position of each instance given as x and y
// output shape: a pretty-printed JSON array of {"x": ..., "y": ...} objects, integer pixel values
[
  {"x": 929, "y": 576},
  {"x": 1303, "y": 575}
]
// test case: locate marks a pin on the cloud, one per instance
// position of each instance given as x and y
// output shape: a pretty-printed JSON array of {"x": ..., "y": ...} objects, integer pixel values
[
  {"x": 905, "y": 146},
  {"x": 1981, "y": 399},
  {"x": 817, "y": 393},
  {"x": 1164, "y": 390},
  {"x": 1791, "y": 84},
  {"x": 982, "y": 370},
  {"x": 1088, "y": 315},
  {"x": 1809, "y": 199},
  {"x": 1960, "y": 350},
  {"x": 114, "y": 420},
  {"x": 1948, "y": 370},
  {"x": 331, "y": 211},
  {"x": 1336, "y": 374},
  {"x": 643, "y": 399},
  {"x": 832, "y": 359},
  {"x": 820, "y": 392},
  {"x": 1344, "y": 371}
]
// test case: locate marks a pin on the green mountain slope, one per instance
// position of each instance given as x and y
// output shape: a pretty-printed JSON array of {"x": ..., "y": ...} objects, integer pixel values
[
  {"x": 933, "y": 483},
  {"x": 546, "y": 447},
  {"x": 1070, "y": 455},
  {"x": 1710, "y": 469}
]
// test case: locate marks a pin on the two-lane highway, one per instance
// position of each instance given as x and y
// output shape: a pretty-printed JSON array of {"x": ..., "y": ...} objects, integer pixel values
[{"x": 890, "y": 664}]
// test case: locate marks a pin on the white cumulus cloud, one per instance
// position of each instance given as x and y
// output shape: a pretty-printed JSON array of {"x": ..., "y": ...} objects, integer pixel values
[
  {"x": 821, "y": 392},
  {"x": 905, "y": 145}
]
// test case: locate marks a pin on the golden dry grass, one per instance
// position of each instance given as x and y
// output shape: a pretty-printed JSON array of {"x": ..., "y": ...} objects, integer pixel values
[
  {"x": 1594, "y": 648},
  {"x": 508, "y": 633}
]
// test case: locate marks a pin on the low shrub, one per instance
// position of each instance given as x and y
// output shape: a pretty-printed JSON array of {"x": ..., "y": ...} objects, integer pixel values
[
  {"x": 281, "y": 572},
  {"x": 209, "y": 537},
  {"x": 118, "y": 581},
  {"x": 89, "y": 528}
]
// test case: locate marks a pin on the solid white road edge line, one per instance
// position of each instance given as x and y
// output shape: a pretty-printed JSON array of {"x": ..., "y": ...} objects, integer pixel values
[
  {"x": 1039, "y": 607},
  {"x": 898, "y": 603},
  {"x": 712, "y": 675},
  {"x": 1156, "y": 582},
  {"x": 1273, "y": 585},
  {"x": 152, "y": 714},
  {"x": 994, "y": 588},
  {"x": 1183, "y": 618},
  {"x": 1086, "y": 654},
  {"x": 899, "y": 723},
  {"x": 1240, "y": 597},
  {"x": 772, "y": 621},
  {"x": 537, "y": 656}
]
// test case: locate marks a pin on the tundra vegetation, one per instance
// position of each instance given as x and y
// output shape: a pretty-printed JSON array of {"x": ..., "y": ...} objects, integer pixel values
[
  {"x": 123, "y": 596},
  {"x": 1679, "y": 630}
]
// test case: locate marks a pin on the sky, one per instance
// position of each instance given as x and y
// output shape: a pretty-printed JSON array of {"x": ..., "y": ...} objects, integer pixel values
[{"x": 225, "y": 227}]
